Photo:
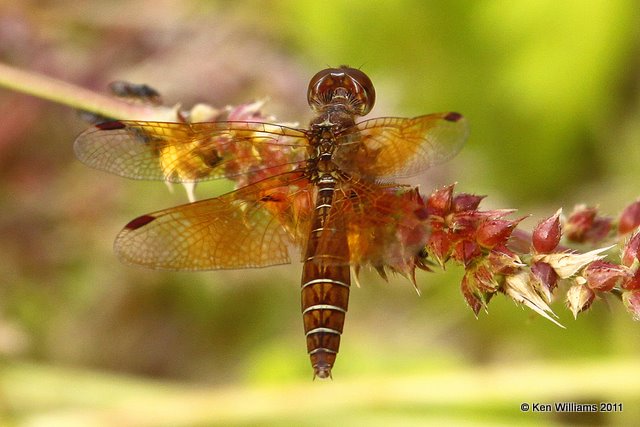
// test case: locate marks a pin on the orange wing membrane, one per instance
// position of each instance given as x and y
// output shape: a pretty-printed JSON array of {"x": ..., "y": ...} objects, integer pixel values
[
  {"x": 324, "y": 192},
  {"x": 394, "y": 147},
  {"x": 255, "y": 226},
  {"x": 190, "y": 152}
]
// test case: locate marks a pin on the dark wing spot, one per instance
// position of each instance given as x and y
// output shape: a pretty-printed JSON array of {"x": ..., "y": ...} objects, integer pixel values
[
  {"x": 453, "y": 117},
  {"x": 116, "y": 124},
  {"x": 139, "y": 222}
]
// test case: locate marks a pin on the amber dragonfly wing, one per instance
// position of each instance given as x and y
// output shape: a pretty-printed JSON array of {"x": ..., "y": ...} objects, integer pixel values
[
  {"x": 255, "y": 226},
  {"x": 191, "y": 152},
  {"x": 394, "y": 147}
]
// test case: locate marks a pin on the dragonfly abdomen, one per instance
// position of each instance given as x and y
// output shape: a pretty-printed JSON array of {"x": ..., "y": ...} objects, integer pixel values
[
  {"x": 324, "y": 306},
  {"x": 326, "y": 279}
]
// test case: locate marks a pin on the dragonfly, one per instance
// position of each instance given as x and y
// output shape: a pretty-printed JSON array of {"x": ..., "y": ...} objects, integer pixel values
[{"x": 324, "y": 194}]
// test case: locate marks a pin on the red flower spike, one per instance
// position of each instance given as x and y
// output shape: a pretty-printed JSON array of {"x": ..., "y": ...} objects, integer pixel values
[
  {"x": 439, "y": 203},
  {"x": 466, "y": 202},
  {"x": 579, "y": 223},
  {"x": 631, "y": 250},
  {"x": 547, "y": 233},
  {"x": 629, "y": 218},
  {"x": 631, "y": 300},
  {"x": 579, "y": 298},
  {"x": 602, "y": 276},
  {"x": 494, "y": 232}
]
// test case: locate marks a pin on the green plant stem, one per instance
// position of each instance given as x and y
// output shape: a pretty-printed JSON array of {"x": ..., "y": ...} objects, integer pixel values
[{"x": 49, "y": 88}]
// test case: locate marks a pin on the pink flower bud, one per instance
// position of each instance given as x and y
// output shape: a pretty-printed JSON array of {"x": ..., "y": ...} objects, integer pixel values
[
  {"x": 579, "y": 298},
  {"x": 471, "y": 293},
  {"x": 439, "y": 203},
  {"x": 631, "y": 250},
  {"x": 504, "y": 261},
  {"x": 546, "y": 275},
  {"x": 494, "y": 232},
  {"x": 579, "y": 223},
  {"x": 629, "y": 218},
  {"x": 602, "y": 276},
  {"x": 547, "y": 233},
  {"x": 466, "y": 251},
  {"x": 520, "y": 288},
  {"x": 633, "y": 283},
  {"x": 485, "y": 279},
  {"x": 599, "y": 229},
  {"x": 439, "y": 246},
  {"x": 464, "y": 224},
  {"x": 247, "y": 111},
  {"x": 466, "y": 202}
]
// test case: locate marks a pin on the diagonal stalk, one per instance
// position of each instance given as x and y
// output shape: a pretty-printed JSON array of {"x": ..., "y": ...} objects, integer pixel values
[{"x": 61, "y": 92}]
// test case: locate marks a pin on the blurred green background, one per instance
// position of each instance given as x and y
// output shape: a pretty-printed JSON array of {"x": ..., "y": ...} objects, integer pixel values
[{"x": 551, "y": 90}]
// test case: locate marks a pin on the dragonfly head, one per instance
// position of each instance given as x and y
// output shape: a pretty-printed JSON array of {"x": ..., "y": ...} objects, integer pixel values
[{"x": 344, "y": 86}]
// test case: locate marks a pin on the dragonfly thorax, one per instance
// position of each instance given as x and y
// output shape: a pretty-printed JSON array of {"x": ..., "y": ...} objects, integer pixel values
[{"x": 322, "y": 150}]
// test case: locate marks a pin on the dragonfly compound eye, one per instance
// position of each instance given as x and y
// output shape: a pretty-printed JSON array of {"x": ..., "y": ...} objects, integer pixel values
[{"x": 344, "y": 86}]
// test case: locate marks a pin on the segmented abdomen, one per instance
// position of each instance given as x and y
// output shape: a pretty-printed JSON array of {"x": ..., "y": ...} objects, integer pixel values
[{"x": 325, "y": 283}]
